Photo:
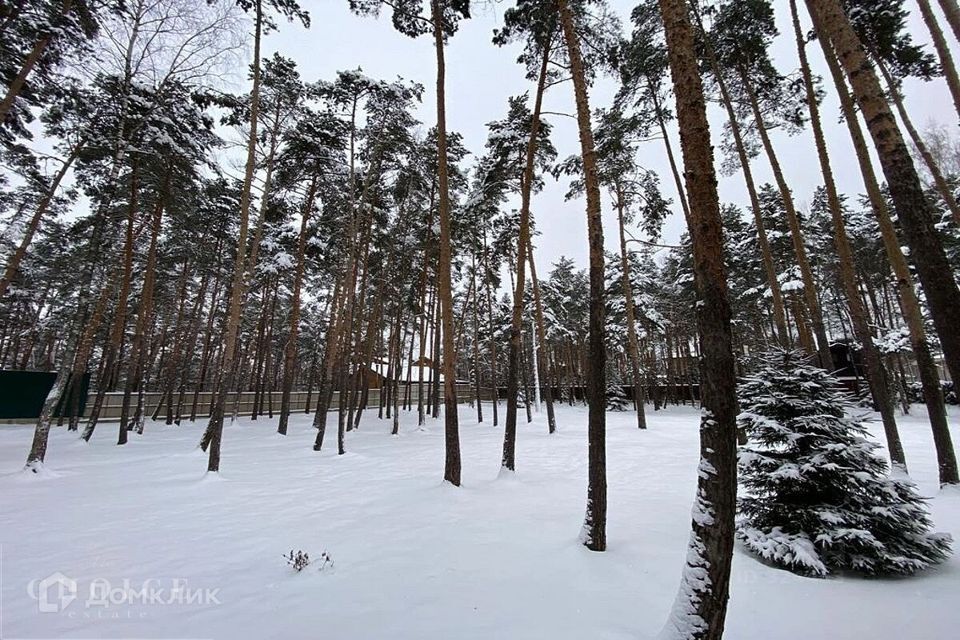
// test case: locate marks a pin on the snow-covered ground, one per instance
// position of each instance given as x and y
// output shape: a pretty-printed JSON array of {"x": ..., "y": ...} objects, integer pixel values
[{"x": 412, "y": 558}]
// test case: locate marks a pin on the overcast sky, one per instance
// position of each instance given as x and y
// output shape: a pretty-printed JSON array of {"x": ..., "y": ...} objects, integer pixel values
[{"x": 481, "y": 76}]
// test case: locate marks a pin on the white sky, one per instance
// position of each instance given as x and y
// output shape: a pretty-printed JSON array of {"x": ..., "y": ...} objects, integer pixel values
[{"x": 481, "y": 76}]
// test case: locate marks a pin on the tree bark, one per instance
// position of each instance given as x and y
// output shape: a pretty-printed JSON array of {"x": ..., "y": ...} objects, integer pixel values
[
  {"x": 290, "y": 349},
  {"x": 876, "y": 373},
  {"x": 28, "y": 65},
  {"x": 907, "y": 296},
  {"x": 633, "y": 344},
  {"x": 451, "y": 470},
  {"x": 913, "y": 210},
  {"x": 943, "y": 52},
  {"x": 227, "y": 382},
  {"x": 508, "y": 460},
  {"x": 766, "y": 254},
  {"x": 701, "y": 607},
  {"x": 939, "y": 180},
  {"x": 594, "y": 533},
  {"x": 952, "y": 12},
  {"x": 796, "y": 234},
  {"x": 542, "y": 337}
]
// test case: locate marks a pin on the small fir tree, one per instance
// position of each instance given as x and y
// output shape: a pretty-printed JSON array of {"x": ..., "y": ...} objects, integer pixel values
[
  {"x": 617, "y": 399},
  {"x": 818, "y": 499}
]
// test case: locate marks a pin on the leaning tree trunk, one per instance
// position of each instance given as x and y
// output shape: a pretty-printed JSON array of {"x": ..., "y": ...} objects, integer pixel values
[
  {"x": 594, "y": 534},
  {"x": 913, "y": 210},
  {"x": 939, "y": 180},
  {"x": 700, "y": 610},
  {"x": 227, "y": 381},
  {"x": 766, "y": 253},
  {"x": 909, "y": 303},
  {"x": 508, "y": 461},
  {"x": 14, "y": 263},
  {"x": 952, "y": 12},
  {"x": 943, "y": 51},
  {"x": 876, "y": 373},
  {"x": 451, "y": 470},
  {"x": 36, "y": 52},
  {"x": 796, "y": 234}
]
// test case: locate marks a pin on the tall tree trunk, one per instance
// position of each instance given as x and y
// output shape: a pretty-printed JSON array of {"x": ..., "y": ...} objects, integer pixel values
[
  {"x": 542, "y": 337},
  {"x": 290, "y": 349},
  {"x": 491, "y": 341},
  {"x": 701, "y": 606},
  {"x": 226, "y": 383},
  {"x": 508, "y": 460},
  {"x": 451, "y": 469},
  {"x": 796, "y": 234},
  {"x": 943, "y": 52},
  {"x": 766, "y": 253},
  {"x": 939, "y": 180},
  {"x": 137, "y": 356},
  {"x": 876, "y": 373},
  {"x": 907, "y": 296},
  {"x": 952, "y": 12},
  {"x": 633, "y": 345},
  {"x": 476, "y": 341},
  {"x": 120, "y": 316},
  {"x": 675, "y": 171},
  {"x": 594, "y": 534},
  {"x": 913, "y": 210}
]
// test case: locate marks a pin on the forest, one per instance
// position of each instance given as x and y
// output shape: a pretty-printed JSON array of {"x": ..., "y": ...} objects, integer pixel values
[{"x": 200, "y": 242}]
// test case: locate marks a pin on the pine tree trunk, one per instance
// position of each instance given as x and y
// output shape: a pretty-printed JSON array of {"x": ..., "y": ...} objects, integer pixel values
[
  {"x": 943, "y": 52},
  {"x": 913, "y": 210},
  {"x": 876, "y": 373},
  {"x": 675, "y": 171},
  {"x": 290, "y": 349},
  {"x": 542, "y": 337},
  {"x": 138, "y": 346},
  {"x": 120, "y": 317},
  {"x": 909, "y": 303},
  {"x": 633, "y": 345},
  {"x": 700, "y": 610},
  {"x": 766, "y": 253},
  {"x": 451, "y": 470},
  {"x": 14, "y": 263},
  {"x": 594, "y": 534},
  {"x": 796, "y": 234},
  {"x": 226, "y": 383},
  {"x": 508, "y": 460},
  {"x": 491, "y": 342},
  {"x": 952, "y": 12},
  {"x": 28, "y": 65},
  {"x": 939, "y": 180},
  {"x": 476, "y": 341}
]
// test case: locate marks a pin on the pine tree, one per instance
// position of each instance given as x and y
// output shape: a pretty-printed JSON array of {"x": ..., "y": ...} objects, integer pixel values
[{"x": 819, "y": 499}]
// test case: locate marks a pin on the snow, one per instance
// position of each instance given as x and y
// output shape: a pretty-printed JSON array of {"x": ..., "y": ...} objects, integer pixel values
[{"x": 412, "y": 557}]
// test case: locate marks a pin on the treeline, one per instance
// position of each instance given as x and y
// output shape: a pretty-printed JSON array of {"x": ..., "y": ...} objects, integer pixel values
[{"x": 352, "y": 239}]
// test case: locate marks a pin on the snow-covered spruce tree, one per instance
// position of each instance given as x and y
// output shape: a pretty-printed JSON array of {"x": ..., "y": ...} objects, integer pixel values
[
  {"x": 818, "y": 499},
  {"x": 617, "y": 399}
]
